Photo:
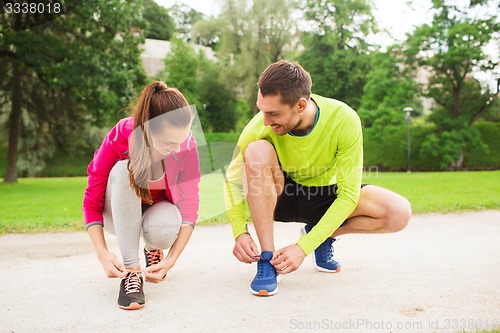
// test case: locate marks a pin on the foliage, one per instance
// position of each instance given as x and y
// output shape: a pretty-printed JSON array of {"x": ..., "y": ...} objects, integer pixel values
[
  {"x": 252, "y": 37},
  {"x": 219, "y": 103},
  {"x": 451, "y": 48},
  {"x": 475, "y": 159},
  {"x": 198, "y": 79},
  {"x": 388, "y": 89},
  {"x": 388, "y": 151},
  {"x": 335, "y": 50},
  {"x": 207, "y": 32},
  {"x": 184, "y": 18},
  {"x": 182, "y": 70},
  {"x": 159, "y": 23},
  {"x": 86, "y": 63}
]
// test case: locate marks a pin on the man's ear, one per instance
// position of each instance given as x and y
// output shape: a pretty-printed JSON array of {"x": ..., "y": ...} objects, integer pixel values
[{"x": 302, "y": 103}]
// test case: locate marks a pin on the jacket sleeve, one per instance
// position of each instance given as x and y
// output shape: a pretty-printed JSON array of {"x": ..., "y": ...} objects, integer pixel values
[
  {"x": 98, "y": 172},
  {"x": 188, "y": 185},
  {"x": 349, "y": 165}
]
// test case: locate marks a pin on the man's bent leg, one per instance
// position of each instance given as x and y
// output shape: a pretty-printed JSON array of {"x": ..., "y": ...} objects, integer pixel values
[
  {"x": 379, "y": 211},
  {"x": 264, "y": 183}
]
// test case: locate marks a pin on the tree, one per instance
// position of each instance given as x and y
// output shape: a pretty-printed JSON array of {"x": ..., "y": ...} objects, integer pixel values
[
  {"x": 207, "y": 32},
  {"x": 89, "y": 56},
  {"x": 159, "y": 23},
  {"x": 219, "y": 103},
  {"x": 184, "y": 18},
  {"x": 452, "y": 48},
  {"x": 198, "y": 79},
  {"x": 335, "y": 50},
  {"x": 389, "y": 88},
  {"x": 182, "y": 70},
  {"x": 253, "y": 37}
]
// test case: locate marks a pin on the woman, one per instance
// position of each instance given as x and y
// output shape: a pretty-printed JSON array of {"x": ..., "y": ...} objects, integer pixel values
[{"x": 144, "y": 181}]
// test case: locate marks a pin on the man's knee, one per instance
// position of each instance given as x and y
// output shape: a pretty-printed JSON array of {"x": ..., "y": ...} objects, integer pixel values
[
  {"x": 398, "y": 215},
  {"x": 259, "y": 154}
]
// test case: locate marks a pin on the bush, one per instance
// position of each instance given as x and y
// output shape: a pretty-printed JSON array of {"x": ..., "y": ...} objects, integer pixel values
[
  {"x": 388, "y": 151},
  {"x": 385, "y": 151},
  {"x": 490, "y": 133}
]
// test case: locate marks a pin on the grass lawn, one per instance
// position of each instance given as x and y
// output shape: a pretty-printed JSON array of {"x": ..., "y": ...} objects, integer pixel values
[{"x": 54, "y": 204}]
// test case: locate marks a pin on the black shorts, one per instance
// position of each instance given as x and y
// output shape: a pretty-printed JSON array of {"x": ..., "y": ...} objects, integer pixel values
[{"x": 307, "y": 204}]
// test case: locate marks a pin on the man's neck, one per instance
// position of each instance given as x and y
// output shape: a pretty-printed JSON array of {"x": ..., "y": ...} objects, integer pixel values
[{"x": 308, "y": 119}]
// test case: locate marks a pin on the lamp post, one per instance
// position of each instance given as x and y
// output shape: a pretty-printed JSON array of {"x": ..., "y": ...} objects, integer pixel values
[{"x": 408, "y": 111}]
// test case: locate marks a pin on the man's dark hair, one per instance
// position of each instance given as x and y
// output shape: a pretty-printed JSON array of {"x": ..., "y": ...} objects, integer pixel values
[{"x": 289, "y": 79}]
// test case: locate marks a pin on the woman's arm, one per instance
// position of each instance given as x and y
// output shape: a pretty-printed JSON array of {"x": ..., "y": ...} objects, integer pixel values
[
  {"x": 112, "y": 266},
  {"x": 156, "y": 273}
]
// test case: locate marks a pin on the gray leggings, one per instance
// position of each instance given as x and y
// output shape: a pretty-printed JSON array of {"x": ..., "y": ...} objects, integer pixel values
[{"x": 123, "y": 216}]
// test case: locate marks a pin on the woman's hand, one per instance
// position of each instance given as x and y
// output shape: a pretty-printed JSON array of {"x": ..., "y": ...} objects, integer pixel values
[
  {"x": 112, "y": 266},
  {"x": 157, "y": 273}
]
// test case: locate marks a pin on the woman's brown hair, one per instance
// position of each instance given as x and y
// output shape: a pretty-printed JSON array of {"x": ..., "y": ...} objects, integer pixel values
[{"x": 164, "y": 103}]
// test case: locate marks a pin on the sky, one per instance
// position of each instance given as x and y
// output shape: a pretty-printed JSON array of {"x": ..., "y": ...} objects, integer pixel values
[{"x": 394, "y": 15}]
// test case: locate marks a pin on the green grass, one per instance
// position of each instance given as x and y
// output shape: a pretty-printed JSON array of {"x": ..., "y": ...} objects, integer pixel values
[
  {"x": 54, "y": 204},
  {"x": 443, "y": 192},
  {"x": 41, "y": 204}
]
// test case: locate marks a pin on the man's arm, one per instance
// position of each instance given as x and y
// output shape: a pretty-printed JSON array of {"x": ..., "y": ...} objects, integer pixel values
[
  {"x": 349, "y": 165},
  {"x": 234, "y": 196}
]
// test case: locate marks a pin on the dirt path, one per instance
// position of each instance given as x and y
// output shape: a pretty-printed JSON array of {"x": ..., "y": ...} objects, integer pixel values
[{"x": 441, "y": 274}]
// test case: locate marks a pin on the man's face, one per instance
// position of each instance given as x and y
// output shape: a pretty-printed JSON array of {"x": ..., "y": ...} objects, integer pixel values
[{"x": 282, "y": 118}]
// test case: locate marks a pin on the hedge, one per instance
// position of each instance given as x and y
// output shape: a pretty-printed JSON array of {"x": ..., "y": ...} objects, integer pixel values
[{"x": 386, "y": 152}]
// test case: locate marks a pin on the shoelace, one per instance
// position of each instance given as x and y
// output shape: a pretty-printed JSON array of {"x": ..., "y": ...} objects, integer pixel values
[
  {"x": 155, "y": 256},
  {"x": 328, "y": 253},
  {"x": 133, "y": 282},
  {"x": 264, "y": 269}
]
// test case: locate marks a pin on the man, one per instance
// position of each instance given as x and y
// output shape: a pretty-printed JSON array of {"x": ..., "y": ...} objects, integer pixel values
[{"x": 300, "y": 160}]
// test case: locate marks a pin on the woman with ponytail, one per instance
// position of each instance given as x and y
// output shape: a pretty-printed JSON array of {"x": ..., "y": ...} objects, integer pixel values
[{"x": 144, "y": 182}]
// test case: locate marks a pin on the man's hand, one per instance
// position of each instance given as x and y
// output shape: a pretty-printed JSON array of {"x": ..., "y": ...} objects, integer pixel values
[
  {"x": 245, "y": 249},
  {"x": 112, "y": 266},
  {"x": 288, "y": 259}
]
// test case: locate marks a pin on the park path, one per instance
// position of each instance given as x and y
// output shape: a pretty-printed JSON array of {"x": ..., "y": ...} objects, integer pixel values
[{"x": 440, "y": 274}]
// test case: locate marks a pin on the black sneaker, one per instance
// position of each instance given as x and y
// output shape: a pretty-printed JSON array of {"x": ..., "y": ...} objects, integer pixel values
[
  {"x": 153, "y": 257},
  {"x": 131, "y": 295}
]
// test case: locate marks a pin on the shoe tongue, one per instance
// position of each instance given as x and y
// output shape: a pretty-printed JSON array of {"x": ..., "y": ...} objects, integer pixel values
[{"x": 266, "y": 255}]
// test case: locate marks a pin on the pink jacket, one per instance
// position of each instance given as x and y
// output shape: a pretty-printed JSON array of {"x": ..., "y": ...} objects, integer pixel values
[{"x": 182, "y": 171}]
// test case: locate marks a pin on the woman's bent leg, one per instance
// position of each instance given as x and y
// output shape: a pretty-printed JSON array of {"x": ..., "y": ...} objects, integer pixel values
[{"x": 160, "y": 225}]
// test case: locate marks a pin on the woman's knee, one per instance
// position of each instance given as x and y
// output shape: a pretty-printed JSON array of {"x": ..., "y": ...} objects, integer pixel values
[{"x": 161, "y": 225}]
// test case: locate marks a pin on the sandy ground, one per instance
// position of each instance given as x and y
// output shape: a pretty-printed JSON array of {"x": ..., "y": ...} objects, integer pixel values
[{"x": 441, "y": 274}]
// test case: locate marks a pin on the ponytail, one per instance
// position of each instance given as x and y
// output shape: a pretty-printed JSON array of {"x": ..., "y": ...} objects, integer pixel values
[{"x": 157, "y": 99}]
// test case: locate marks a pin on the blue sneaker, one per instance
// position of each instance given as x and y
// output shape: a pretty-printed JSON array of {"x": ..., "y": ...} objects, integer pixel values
[
  {"x": 265, "y": 283},
  {"x": 323, "y": 255}
]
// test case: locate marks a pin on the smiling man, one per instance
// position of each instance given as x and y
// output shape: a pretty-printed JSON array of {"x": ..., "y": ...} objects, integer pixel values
[{"x": 300, "y": 159}]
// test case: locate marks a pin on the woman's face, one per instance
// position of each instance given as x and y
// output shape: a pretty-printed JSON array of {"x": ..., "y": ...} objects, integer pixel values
[{"x": 169, "y": 138}]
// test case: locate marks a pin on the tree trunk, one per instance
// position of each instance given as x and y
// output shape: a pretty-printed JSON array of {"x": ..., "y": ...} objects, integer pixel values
[
  {"x": 458, "y": 164},
  {"x": 14, "y": 126}
]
